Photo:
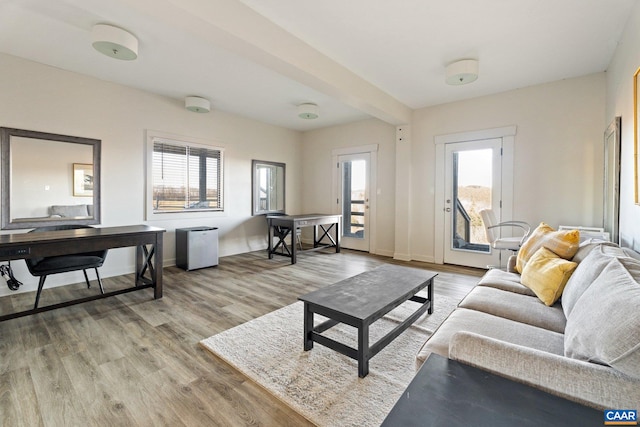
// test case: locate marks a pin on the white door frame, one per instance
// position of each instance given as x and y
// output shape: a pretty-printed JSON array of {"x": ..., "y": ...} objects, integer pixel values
[
  {"x": 372, "y": 149},
  {"x": 508, "y": 141},
  {"x": 461, "y": 256}
]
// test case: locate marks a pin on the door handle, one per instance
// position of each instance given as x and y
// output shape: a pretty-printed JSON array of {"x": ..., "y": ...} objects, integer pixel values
[{"x": 447, "y": 209}]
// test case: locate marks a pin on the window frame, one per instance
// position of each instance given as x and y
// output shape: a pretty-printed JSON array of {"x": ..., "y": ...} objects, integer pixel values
[{"x": 151, "y": 214}]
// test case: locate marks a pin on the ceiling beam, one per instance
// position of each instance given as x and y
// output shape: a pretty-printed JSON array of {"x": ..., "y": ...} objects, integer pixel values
[{"x": 231, "y": 25}]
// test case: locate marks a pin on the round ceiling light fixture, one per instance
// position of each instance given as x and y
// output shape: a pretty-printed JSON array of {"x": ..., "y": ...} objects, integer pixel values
[
  {"x": 462, "y": 72},
  {"x": 114, "y": 42},
  {"x": 308, "y": 111},
  {"x": 197, "y": 104}
]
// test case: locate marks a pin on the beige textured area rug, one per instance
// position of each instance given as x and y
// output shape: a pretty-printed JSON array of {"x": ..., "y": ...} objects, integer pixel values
[{"x": 323, "y": 385}]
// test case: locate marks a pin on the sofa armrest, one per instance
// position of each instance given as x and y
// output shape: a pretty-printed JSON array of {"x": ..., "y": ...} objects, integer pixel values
[{"x": 586, "y": 383}]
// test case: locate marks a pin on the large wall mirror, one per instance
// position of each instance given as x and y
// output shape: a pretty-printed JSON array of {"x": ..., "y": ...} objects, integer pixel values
[
  {"x": 268, "y": 182},
  {"x": 48, "y": 179},
  {"x": 612, "y": 141}
]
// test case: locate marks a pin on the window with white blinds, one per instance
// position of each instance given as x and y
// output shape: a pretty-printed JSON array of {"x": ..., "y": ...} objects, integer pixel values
[{"x": 186, "y": 177}]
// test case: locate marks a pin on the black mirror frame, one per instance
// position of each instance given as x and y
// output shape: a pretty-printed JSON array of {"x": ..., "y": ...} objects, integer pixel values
[{"x": 5, "y": 152}]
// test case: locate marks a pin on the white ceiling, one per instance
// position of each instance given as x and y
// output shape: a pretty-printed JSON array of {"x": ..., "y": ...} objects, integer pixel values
[{"x": 354, "y": 58}]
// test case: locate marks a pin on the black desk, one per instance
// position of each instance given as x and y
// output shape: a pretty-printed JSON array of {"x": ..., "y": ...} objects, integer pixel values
[
  {"x": 281, "y": 226},
  {"x": 449, "y": 394},
  {"x": 146, "y": 239}
]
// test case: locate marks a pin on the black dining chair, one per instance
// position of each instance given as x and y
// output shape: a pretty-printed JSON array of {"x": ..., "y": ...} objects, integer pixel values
[{"x": 43, "y": 267}]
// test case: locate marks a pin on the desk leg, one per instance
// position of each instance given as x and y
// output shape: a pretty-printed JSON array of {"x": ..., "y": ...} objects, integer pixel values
[
  {"x": 140, "y": 265},
  {"x": 430, "y": 296},
  {"x": 338, "y": 236},
  {"x": 315, "y": 236},
  {"x": 150, "y": 260},
  {"x": 157, "y": 271},
  {"x": 294, "y": 247},
  {"x": 270, "y": 244}
]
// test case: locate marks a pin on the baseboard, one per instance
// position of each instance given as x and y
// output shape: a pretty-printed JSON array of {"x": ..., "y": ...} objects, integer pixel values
[
  {"x": 402, "y": 257},
  {"x": 408, "y": 257},
  {"x": 384, "y": 253},
  {"x": 424, "y": 258}
]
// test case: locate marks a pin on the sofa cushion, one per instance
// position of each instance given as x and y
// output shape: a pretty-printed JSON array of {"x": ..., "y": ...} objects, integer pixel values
[
  {"x": 69, "y": 210},
  {"x": 546, "y": 274},
  {"x": 492, "y": 326},
  {"x": 500, "y": 279},
  {"x": 587, "y": 246},
  {"x": 587, "y": 272},
  {"x": 563, "y": 243},
  {"x": 521, "y": 308},
  {"x": 604, "y": 325},
  {"x": 631, "y": 253}
]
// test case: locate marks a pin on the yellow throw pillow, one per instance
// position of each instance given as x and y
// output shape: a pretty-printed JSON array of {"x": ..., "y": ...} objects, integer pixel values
[
  {"x": 563, "y": 243},
  {"x": 546, "y": 274}
]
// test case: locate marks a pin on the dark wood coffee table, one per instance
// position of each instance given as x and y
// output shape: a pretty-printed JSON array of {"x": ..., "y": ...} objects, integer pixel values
[
  {"x": 451, "y": 394},
  {"x": 361, "y": 300}
]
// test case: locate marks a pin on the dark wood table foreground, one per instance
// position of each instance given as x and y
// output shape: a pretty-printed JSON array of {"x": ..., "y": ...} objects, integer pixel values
[{"x": 449, "y": 394}]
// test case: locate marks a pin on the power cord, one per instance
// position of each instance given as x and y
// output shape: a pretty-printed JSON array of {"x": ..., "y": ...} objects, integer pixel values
[{"x": 7, "y": 274}]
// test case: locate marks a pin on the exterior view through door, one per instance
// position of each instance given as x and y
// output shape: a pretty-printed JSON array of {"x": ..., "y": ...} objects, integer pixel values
[
  {"x": 473, "y": 172},
  {"x": 353, "y": 198}
]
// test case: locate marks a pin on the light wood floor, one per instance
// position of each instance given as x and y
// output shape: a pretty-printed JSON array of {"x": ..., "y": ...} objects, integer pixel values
[{"x": 131, "y": 360}]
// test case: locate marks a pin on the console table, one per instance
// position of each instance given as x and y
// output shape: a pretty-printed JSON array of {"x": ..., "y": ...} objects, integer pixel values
[
  {"x": 147, "y": 241},
  {"x": 281, "y": 226},
  {"x": 449, "y": 394}
]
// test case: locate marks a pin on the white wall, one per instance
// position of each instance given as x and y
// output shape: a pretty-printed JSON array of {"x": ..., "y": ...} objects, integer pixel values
[
  {"x": 620, "y": 103},
  {"x": 43, "y": 98},
  {"x": 318, "y": 170},
  {"x": 558, "y": 153},
  {"x": 558, "y": 159}
]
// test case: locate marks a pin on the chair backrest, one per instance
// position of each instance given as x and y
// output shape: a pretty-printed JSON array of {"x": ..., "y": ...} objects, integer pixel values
[
  {"x": 489, "y": 219},
  {"x": 33, "y": 261}
]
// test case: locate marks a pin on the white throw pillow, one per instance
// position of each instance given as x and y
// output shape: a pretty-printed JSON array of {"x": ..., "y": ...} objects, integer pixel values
[
  {"x": 604, "y": 325},
  {"x": 586, "y": 273}
]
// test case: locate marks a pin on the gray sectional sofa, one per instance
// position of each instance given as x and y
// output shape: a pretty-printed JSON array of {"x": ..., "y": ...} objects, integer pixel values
[{"x": 585, "y": 347}]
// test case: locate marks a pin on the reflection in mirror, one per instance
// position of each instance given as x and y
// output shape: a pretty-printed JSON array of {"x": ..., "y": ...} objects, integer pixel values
[
  {"x": 49, "y": 179},
  {"x": 268, "y": 179}
]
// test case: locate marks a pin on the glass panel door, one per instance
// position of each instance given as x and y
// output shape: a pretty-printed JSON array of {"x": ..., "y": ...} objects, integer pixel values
[
  {"x": 472, "y": 183},
  {"x": 354, "y": 200}
]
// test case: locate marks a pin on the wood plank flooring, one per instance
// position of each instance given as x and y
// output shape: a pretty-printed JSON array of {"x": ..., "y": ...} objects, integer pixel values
[{"x": 131, "y": 360}]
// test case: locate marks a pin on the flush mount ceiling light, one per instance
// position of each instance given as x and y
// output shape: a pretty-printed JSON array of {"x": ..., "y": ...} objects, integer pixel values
[
  {"x": 308, "y": 111},
  {"x": 462, "y": 72},
  {"x": 114, "y": 42},
  {"x": 197, "y": 104}
]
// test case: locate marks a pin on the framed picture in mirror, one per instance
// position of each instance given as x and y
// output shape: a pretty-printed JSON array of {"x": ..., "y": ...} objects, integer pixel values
[{"x": 82, "y": 180}]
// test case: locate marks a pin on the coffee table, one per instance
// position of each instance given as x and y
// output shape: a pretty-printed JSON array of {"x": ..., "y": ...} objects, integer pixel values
[{"x": 361, "y": 300}]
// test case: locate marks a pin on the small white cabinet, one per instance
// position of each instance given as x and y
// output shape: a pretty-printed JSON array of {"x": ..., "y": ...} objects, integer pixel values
[{"x": 196, "y": 247}]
